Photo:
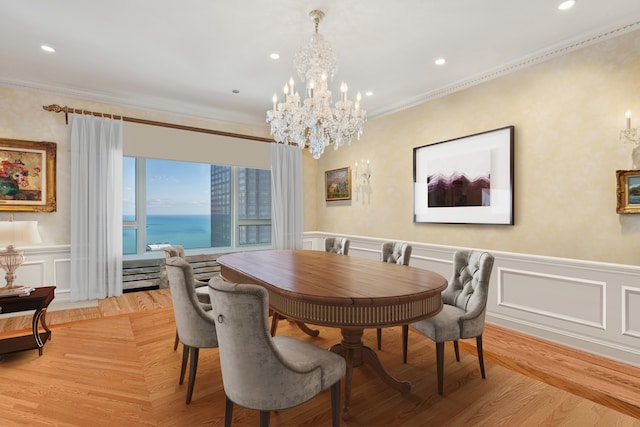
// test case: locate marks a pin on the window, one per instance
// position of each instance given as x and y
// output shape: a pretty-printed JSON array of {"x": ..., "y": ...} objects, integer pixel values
[{"x": 195, "y": 205}]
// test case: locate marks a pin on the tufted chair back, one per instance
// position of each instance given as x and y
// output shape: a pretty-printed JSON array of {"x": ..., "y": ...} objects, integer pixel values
[
  {"x": 468, "y": 289},
  {"x": 259, "y": 371},
  {"x": 396, "y": 252},
  {"x": 337, "y": 245}
]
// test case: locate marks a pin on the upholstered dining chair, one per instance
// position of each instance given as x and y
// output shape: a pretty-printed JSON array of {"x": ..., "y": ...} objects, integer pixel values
[
  {"x": 262, "y": 372},
  {"x": 202, "y": 291},
  {"x": 394, "y": 253},
  {"x": 338, "y": 245},
  {"x": 196, "y": 327},
  {"x": 464, "y": 307}
]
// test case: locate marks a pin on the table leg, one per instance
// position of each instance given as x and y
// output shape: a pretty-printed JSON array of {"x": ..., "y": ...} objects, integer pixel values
[
  {"x": 39, "y": 317},
  {"x": 356, "y": 353}
]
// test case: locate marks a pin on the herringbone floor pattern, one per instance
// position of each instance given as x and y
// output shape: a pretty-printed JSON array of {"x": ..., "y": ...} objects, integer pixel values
[{"x": 122, "y": 371}]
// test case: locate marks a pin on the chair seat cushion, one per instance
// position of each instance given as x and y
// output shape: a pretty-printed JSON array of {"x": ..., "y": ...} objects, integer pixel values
[
  {"x": 304, "y": 356},
  {"x": 444, "y": 326}
]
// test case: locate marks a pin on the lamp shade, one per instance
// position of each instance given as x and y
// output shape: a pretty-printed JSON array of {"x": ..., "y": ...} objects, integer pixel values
[{"x": 19, "y": 233}]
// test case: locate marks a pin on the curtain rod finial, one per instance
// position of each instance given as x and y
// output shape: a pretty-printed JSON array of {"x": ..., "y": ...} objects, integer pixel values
[{"x": 53, "y": 107}]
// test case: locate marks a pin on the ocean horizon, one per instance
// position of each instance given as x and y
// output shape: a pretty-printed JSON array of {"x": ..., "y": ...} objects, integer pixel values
[{"x": 190, "y": 231}]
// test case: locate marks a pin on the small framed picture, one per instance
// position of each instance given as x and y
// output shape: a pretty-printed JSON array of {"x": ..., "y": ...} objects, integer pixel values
[
  {"x": 337, "y": 184},
  {"x": 628, "y": 192}
]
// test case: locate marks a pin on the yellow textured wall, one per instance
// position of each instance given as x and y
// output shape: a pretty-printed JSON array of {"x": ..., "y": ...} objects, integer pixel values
[{"x": 567, "y": 114}]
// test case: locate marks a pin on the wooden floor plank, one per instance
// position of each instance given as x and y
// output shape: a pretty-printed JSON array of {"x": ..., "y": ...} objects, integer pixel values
[{"x": 115, "y": 365}]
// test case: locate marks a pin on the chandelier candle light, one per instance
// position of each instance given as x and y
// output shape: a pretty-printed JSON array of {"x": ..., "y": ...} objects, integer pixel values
[{"x": 314, "y": 120}]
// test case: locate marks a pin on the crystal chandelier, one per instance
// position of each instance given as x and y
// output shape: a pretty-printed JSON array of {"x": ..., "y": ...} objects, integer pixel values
[{"x": 314, "y": 120}]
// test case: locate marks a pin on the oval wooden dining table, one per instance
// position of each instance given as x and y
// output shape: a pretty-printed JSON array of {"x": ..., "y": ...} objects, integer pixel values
[{"x": 339, "y": 291}]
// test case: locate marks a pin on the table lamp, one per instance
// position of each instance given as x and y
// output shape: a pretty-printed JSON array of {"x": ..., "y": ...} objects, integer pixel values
[{"x": 15, "y": 233}]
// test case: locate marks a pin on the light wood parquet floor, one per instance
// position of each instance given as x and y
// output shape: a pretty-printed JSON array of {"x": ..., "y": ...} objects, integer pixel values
[{"x": 114, "y": 365}]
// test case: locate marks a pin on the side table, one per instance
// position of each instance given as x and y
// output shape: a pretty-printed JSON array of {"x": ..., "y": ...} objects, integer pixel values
[{"x": 38, "y": 300}]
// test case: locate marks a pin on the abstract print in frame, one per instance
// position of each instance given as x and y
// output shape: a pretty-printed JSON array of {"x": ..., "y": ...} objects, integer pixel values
[
  {"x": 467, "y": 180},
  {"x": 27, "y": 176}
]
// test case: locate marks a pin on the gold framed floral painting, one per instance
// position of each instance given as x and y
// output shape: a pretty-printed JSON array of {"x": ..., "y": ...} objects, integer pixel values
[{"x": 27, "y": 176}]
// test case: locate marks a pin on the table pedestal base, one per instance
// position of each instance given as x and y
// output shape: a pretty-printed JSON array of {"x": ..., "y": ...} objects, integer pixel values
[{"x": 356, "y": 353}]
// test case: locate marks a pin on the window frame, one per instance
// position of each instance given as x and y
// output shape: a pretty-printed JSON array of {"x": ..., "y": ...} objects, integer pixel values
[{"x": 140, "y": 222}]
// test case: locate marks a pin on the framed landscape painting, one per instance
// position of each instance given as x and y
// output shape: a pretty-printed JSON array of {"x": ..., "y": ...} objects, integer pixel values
[
  {"x": 467, "y": 180},
  {"x": 628, "y": 191},
  {"x": 337, "y": 184},
  {"x": 27, "y": 176}
]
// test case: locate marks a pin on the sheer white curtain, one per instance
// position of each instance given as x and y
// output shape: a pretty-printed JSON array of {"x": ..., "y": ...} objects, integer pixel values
[
  {"x": 96, "y": 207},
  {"x": 286, "y": 197}
]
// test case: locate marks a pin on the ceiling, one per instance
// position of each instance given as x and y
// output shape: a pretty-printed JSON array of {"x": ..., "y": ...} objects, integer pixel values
[{"x": 188, "y": 56}]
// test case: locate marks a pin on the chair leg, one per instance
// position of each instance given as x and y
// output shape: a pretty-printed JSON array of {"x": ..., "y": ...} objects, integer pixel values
[
  {"x": 228, "y": 412},
  {"x": 440, "y": 363},
  {"x": 379, "y": 331},
  {"x": 185, "y": 359},
  {"x": 457, "y": 350},
  {"x": 274, "y": 323},
  {"x": 264, "y": 418},
  {"x": 480, "y": 357},
  {"x": 176, "y": 341},
  {"x": 335, "y": 404},
  {"x": 192, "y": 372},
  {"x": 405, "y": 342}
]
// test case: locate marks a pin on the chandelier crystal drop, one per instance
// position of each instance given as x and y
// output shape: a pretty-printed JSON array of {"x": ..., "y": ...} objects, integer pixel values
[{"x": 295, "y": 121}]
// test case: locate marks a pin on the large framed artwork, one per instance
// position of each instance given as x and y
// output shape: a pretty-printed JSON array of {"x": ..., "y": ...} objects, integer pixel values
[
  {"x": 628, "y": 191},
  {"x": 27, "y": 176},
  {"x": 467, "y": 180},
  {"x": 337, "y": 184}
]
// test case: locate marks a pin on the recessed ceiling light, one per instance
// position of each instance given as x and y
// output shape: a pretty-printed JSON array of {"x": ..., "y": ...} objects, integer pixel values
[
  {"x": 440, "y": 61},
  {"x": 235, "y": 91},
  {"x": 566, "y": 4},
  {"x": 274, "y": 56},
  {"x": 368, "y": 93},
  {"x": 47, "y": 48}
]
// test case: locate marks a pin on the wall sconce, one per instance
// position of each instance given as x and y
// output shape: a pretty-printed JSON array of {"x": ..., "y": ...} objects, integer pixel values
[
  {"x": 362, "y": 185},
  {"x": 364, "y": 174},
  {"x": 630, "y": 135},
  {"x": 15, "y": 233}
]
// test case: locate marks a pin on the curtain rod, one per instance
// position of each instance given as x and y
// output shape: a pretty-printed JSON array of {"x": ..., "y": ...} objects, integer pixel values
[{"x": 55, "y": 108}]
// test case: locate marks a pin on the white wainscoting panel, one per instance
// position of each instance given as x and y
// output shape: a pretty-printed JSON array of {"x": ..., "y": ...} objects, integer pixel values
[
  {"x": 631, "y": 311},
  {"x": 564, "y": 298},
  {"x": 30, "y": 273}
]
